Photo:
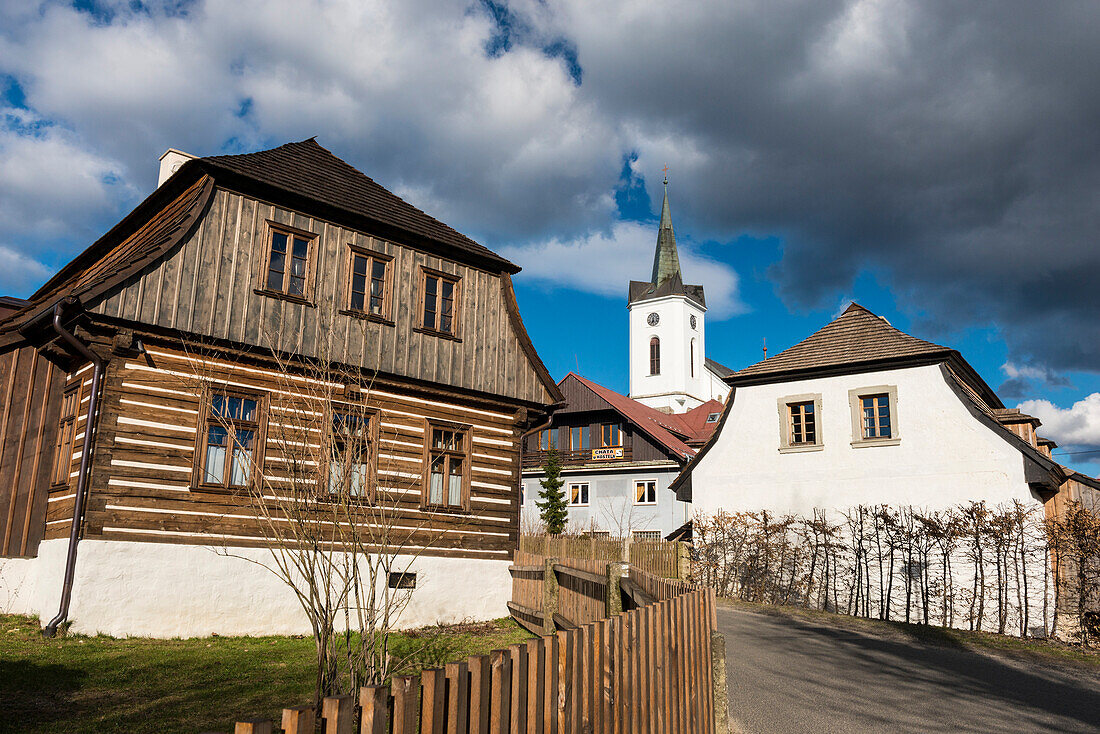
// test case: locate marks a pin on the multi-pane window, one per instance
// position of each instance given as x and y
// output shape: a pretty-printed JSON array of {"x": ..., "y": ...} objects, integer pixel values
[
  {"x": 66, "y": 430},
  {"x": 645, "y": 492},
  {"x": 229, "y": 437},
  {"x": 578, "y": 493},
  {"x": 654, "y": 356},
  {"x": 368, "y": 292},
  {"x": 288, "y": 263},
  {"x": 352, "y": 451},
  {"x": 647, "y": 535},
  {"x": 579, "y": 439},
  {"x": 548, "y": 439},
  {"x": 803, "y": 423},
  {"x": 611, "y": 435},
  {"x": 876, "y": 416},
  {"x": 440, "y": 296},
  {"x": 447, "y": 463}
]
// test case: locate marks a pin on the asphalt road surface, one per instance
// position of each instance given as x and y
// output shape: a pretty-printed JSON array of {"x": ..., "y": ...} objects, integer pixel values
[{"x": 788, "y": 676}]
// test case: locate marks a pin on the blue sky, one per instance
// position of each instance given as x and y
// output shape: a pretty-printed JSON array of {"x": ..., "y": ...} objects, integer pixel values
[{"x": 937, "y": 162}]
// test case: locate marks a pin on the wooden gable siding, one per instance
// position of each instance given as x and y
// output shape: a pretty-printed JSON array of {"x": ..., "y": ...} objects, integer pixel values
[
  {"x": 141, "y": 487},
  {"x": 29, "y": 405},
  {"x": 206, "y": 287}
]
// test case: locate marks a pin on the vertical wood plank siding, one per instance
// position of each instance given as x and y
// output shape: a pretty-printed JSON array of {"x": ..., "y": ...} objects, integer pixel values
[
  {"x": 30, "y": 396},
  {"x": 141, "y": 487},
  {"x": 207, "y": 287}
]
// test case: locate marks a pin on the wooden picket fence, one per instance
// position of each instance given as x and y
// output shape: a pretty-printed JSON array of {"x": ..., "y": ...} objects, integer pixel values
[
  {"x": 622, "y": 650},
  {"x": 659, "y": 557}
]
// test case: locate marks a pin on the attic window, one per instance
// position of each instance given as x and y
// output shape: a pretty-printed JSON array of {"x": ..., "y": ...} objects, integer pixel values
[
  {"x": 369, "y": 289},
  {"x": 439, "y": 313},
  {"x": 288, "y": 267},
  {"x": 713, "y": 417},
  {"x": 874, "y": 416}
]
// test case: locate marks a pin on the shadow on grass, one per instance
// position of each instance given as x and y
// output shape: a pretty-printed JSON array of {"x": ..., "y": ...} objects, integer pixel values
[{"x": 32, "y": 694}]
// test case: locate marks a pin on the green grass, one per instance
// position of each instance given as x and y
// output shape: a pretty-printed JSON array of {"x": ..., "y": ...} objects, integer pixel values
[
  {"x": 1035, "y": 651},
  {"x": 104, "y": 684}
]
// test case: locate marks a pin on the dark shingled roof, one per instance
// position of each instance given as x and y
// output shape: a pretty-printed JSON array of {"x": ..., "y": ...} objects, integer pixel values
[
  {"x": 307, "y": 169},
  {"x": 856, "y": 337},
  {"x": 717, "y": 368}
]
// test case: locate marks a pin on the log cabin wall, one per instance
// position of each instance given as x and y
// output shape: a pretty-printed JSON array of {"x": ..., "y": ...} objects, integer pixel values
[
  {"x": 29, "y": 404},
  {"x": 143, "y": 488},
  {"x": 207, "y": 287}
]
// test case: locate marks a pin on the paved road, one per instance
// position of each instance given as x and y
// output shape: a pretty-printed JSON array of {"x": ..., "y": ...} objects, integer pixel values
[{"x": 797, "y": 676}]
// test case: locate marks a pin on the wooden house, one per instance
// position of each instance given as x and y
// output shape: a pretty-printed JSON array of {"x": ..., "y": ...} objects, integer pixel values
[
  {"x": 618, "y": 458},
  {"x": 237, "y": 276}
]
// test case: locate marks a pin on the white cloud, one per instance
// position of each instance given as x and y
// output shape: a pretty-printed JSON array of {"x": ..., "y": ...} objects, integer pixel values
[
  {"x": 49, "y": 180},
  {"x": 604, "y": 262},
  {"x": 19, "y": 273},
  {"x": 1078, "y": 425}
]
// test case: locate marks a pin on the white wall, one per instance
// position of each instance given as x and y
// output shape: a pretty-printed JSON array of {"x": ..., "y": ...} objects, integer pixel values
[
  {"x": 675, "y": 387},
  {"x": 163, "y": 590},
  {"x": 611, "y": 505},
  {"x": 945, "y": 455}
]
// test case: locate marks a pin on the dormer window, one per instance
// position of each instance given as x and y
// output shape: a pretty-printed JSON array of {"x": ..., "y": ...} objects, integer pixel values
[{"x": 713, "y": 417}]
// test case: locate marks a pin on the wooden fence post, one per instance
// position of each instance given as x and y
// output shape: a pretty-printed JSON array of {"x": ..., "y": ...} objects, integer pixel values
[
  {"x": 549, "y": 596},
  {"x": 718, "y": 680},
  {"x": 254, "y": 726},
  {"x": 299, "y": 720},
  {"x": 337, "y": 713},
  {"x": 614, "y": 598},
  {"x": 375, "y": 702},
  {"x": 683, "y": 561}
]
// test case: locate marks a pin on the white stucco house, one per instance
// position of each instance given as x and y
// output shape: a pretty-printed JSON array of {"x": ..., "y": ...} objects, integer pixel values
[{"x": 862, "y": 413}]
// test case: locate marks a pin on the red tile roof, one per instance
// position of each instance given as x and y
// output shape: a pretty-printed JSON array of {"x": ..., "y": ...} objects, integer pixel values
[{"x": 673, "y": 431}]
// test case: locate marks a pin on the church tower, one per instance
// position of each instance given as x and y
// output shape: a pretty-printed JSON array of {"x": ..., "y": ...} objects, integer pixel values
[{"x": 668, "y": 369}]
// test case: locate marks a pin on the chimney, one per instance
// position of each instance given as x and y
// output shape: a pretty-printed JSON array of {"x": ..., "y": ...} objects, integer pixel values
[{"x": 170, "y": 162}]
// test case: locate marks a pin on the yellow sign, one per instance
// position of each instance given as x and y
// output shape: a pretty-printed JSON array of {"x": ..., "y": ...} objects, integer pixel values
[{"x": 608, "y": 453}]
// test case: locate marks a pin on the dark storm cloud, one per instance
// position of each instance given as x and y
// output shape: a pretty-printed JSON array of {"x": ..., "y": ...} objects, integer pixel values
[{"x": 951, "y": 145}]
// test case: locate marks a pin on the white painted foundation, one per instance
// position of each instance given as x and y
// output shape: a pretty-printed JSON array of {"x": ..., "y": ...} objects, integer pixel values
[{"x": 132, "y": 589}]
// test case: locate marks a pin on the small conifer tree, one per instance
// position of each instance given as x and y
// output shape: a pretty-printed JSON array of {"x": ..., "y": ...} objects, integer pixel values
[{"x": 553, "y": 508}]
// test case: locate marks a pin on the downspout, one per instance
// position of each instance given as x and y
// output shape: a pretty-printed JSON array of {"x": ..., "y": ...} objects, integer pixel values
[
  {"x": 523, "y": 441},
  {"x": 85, "y": 462}
]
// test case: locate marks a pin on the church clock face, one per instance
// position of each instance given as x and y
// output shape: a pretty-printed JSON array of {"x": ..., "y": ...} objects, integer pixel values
[
  {"x": 692, "y": 321},
  {"x": 652, "y": 319}
]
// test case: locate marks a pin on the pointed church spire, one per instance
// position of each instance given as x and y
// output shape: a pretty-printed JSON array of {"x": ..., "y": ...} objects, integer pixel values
[{"x": 666, "y": 261}]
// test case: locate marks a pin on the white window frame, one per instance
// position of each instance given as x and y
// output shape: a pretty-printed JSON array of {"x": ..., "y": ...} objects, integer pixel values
[
  {"x": 855, "y": 403},
  {"x": 656, "y": 492},
  {"x": 587, "y": 493},
  {"x": 783, "y": 404}
]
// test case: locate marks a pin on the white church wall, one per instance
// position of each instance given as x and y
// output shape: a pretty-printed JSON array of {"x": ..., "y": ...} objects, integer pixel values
[
  {"x": 945, "y": 456},
  {"x": 676, "y": 387},
  {"x": 138, "y": 589}
]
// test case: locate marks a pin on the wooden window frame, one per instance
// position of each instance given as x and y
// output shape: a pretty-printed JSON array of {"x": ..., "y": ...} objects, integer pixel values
[
  {"x": 587, "y": 493},
  {"x": 654, "y": 356},
  {"x": 456, "y": 306},
  {"x": 467, "y": 455},
  {"x": 656, "y": 492},
  {"x": 786, "y": 442},
  {"x": 371, "y": 480},
  {"x": 66, "y": 425},
  {"x": 580, "y": 431},
  {"x": 552, "y": 435},
  {"x": 604, "y": 444},
  {"x": 311, "y": 238},
  {"x": 386, "y": 317},
  {"x": 198, "y": 469},
  {"x": 855, "y": 401}
]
